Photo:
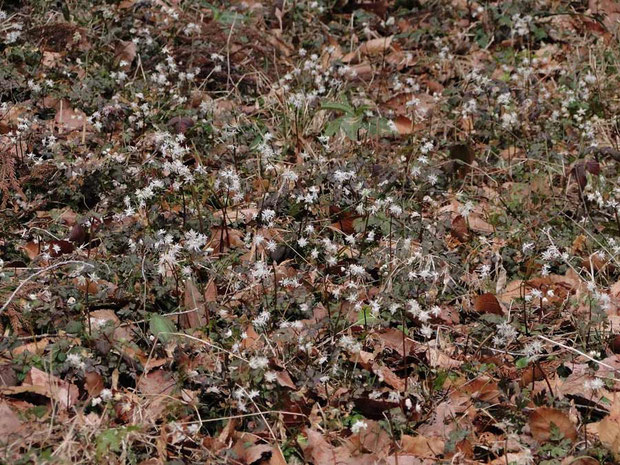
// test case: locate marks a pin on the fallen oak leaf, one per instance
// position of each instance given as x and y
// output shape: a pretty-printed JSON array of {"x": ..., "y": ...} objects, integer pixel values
[
  {"x": 488, "y": 303},
  {"x": 284, "y": 379},
  {"x": 403, "y": 125},
  {"x": 608, "y": 429},
  {"x": 125, "y": 53},
  {"x": 392, "y": 338},
  {"x": 196, "y": 310},
  {"x": 373, "y": 438},
  {"x": 377, "y": 46},
  {"x": 53, "y": 248},
  {"x": 422, "y": 446},
  {"x": 543, "y": 418},
  {"x": 93, "y": 383},
  {"x": 318, "y": 451},
  {"x": 373, "y": 47},
  {"x": 66, "y": 394},
  {"x": 388, "y": 376}
]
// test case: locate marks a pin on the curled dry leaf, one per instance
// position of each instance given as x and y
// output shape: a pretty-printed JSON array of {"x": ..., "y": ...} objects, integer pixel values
[
  {"x": 284, "y": 379},
  {"x": 66, "y": 394},
  {"x": 373, "y": 47},
  {"x": 264, "y": 454},
  {"x": 93, "y": 382},
  {"x": 223, "y": 238},
  {"x": 53, "y": 248},
  {"x": 392, "y": 338},
  {"x": 542, "y": 419},
  {"x": 570, "y": 460},
  {"x": 482, "y": 388},
  {"x": 125, "y": 53},
  {"x": 401, "y": 59},
  {"x": 374, "y": 408},
  {"x": 513, "y": 457},
  {"x": 156, "y": 382},
  {"x": 78, "y": 234},
  {"x": 488, "y": 303},
  {"x": 459, "y": 229},
  {"x": 436, "y": 358},
  {"x": 561, "y": 286},
  {"x": 252, "y": 339},
  {"x": 405, "y": 459},
  {"x": 462, "y": 156},
  {"x": 609, "y": 10},
  {"x": 404, "y": 125},
  {"x": 475, "y": 219},
  {"x": 608, "y": 429},
  {"x": 359, "y": 72},
  {"x": 389, "y": 377},
  {"x": 195, "y": 307},
  {"x": 181, "y": 124},
  {"x": 376, "y": 47},
  {"x": 100, "y": 318}
]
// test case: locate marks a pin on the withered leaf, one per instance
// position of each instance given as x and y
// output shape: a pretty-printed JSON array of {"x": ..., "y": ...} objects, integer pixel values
[
  {"x": 542, "y": 419},
  {"x": 488, "y": 303},
  {"x": 93, "y": 382},
  {"x": 10, "y": 424},
  {"x": 196, "y": 310}
]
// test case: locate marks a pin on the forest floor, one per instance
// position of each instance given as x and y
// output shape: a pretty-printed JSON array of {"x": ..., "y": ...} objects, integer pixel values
[{"x": 310, "y": 232}]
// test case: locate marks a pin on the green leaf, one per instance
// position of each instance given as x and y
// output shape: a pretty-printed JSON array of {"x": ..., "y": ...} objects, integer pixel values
[
  {"x": 161, "y": 327},
  {"x": 522, "y": 362},
  {"x": 343, "y": 107},
  {"x": 332, "y": 127},
  {"x": 378, "y": 126},
  {"x": 369, "y": 317},
  {"x": 350, "y": 125},
  {"x": 110, "y": 440}
]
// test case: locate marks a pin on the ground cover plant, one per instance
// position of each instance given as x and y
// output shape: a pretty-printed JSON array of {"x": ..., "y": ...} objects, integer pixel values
[{"x": 310, "y": 232}]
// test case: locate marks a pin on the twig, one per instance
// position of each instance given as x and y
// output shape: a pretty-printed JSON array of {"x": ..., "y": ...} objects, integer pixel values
[
  {"x": 577, "y": 352},
  {"x": 209, "y": 345}
]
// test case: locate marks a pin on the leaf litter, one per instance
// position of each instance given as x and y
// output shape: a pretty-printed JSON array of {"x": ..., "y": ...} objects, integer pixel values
[{"x": 310, "y": 232}]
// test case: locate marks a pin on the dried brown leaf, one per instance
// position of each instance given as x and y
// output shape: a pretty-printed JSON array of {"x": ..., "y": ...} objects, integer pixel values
[
  {"x": 125, "y": 52},
  {"x": 488, "y": 303},
  {"x": 196, "y": 311},
  {"x": 93, "y": 382},
  {"x": 35, "y": 348},
  {"x": 66, "y": 394},
  {"x": 10, "y": 424},
  {"x": 389, "y": 377},
  {"x": 392, "y": 338},
  {"x": 318, "y": 451},
  {"x": 156, "y": 383},
  {"x": 376, "y": 47},
  {"x": 608, "y": 429},
  {"x": 404, "y": 125},
  {"x": 284, "y": 379},
  {"x": 423, "y": 446},
  {"x": 543, "y": 418}
]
